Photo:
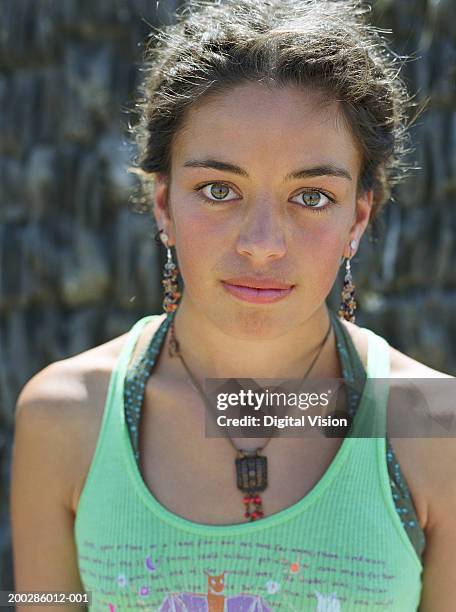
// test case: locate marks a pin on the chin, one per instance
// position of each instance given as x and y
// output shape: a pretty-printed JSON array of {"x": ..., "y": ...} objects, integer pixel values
[{"x": 256, "y": 323}]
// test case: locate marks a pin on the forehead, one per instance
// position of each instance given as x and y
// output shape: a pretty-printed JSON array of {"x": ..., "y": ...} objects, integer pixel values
[{"x": 253, "y": 119}]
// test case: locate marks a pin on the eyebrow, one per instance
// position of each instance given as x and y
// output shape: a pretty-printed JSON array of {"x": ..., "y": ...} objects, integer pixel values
[{"x": 319, "y": 170}]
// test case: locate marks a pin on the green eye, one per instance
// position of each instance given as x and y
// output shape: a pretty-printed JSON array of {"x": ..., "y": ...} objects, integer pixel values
[
  {"x": 312, "y": 198},
  {"x": 217, "y": 192}
]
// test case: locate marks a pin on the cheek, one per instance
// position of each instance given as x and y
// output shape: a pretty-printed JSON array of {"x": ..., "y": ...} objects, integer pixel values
[
  {"x": 318, "y": 259},
  {"x": 199, "y": 243},
  {"x": 321, "y": 244}
]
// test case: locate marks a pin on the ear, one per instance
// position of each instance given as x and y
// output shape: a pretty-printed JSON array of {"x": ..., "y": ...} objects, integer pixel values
[
  {"x": 162, "y": 211},
  {"x": 362, "y": 216}
]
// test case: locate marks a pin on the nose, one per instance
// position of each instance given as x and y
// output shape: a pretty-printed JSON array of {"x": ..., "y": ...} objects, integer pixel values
[{"x": 261, "y": 236}]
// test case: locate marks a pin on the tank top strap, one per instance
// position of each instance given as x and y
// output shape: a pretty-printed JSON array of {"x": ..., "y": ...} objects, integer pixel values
[
  {"x": 378, "y": 355},
  {"x": 353, "y": 371},
  {"x": 106, "y": 449},
  {"x": 380, "y": 367},
  {"x": 351, "y": 364},
  {"x": 362, "y": 384},
  {"x": 378, "y": 360},
  {"x": 136, "y": 375},
  {"x": 124, "y": 357},
  {"x": 116, "y": 383},
  {"x": 378, "y": 374}
]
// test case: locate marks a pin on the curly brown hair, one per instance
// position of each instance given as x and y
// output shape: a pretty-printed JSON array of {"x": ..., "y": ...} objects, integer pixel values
[{"x": 323, "y": 45}]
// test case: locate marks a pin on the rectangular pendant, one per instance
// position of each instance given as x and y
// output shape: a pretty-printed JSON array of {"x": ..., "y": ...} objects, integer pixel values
[{"x": 252, "y": 473}]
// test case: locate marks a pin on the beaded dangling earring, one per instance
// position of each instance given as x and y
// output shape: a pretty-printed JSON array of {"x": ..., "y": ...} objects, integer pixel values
[
  {"x": 170, "y": 273},
  {"x": 348, "y": 303}
]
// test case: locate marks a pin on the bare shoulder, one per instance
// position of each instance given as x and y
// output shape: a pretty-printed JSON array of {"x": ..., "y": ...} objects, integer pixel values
[
  {"x": 402, "y": 366},
  {"x": 66, "y": 400},
  {"x": 427, "y": 463},
  {"x": 61, "y": 389}
]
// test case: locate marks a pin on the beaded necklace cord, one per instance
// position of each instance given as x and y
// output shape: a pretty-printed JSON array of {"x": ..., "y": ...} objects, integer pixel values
[{"x": 251, "y": 466}]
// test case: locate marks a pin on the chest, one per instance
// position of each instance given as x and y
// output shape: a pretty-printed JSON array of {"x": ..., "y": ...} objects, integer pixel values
[{"x": 194, "y": 476}]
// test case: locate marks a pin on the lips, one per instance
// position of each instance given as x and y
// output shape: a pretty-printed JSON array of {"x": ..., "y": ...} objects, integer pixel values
[
  {"x": 251, "y": 291},
  {"x": 257, "y": 283}
]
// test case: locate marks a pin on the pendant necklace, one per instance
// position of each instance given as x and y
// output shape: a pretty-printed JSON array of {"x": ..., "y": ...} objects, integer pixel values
[{"x": 251, "y": 465}]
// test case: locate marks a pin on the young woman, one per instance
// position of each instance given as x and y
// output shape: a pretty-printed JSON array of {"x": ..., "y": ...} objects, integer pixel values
[{"x": 273, "y": 131}]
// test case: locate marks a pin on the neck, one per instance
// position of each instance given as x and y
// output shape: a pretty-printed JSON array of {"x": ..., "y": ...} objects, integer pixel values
[{"x": 211, "y": 352}]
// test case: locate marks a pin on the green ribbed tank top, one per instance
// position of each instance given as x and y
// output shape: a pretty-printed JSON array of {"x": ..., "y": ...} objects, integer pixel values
[{"x": 342, "y": 547}]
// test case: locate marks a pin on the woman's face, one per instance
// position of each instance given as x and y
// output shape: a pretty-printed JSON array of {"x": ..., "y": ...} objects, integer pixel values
[{"x": 263, "y": 184}]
